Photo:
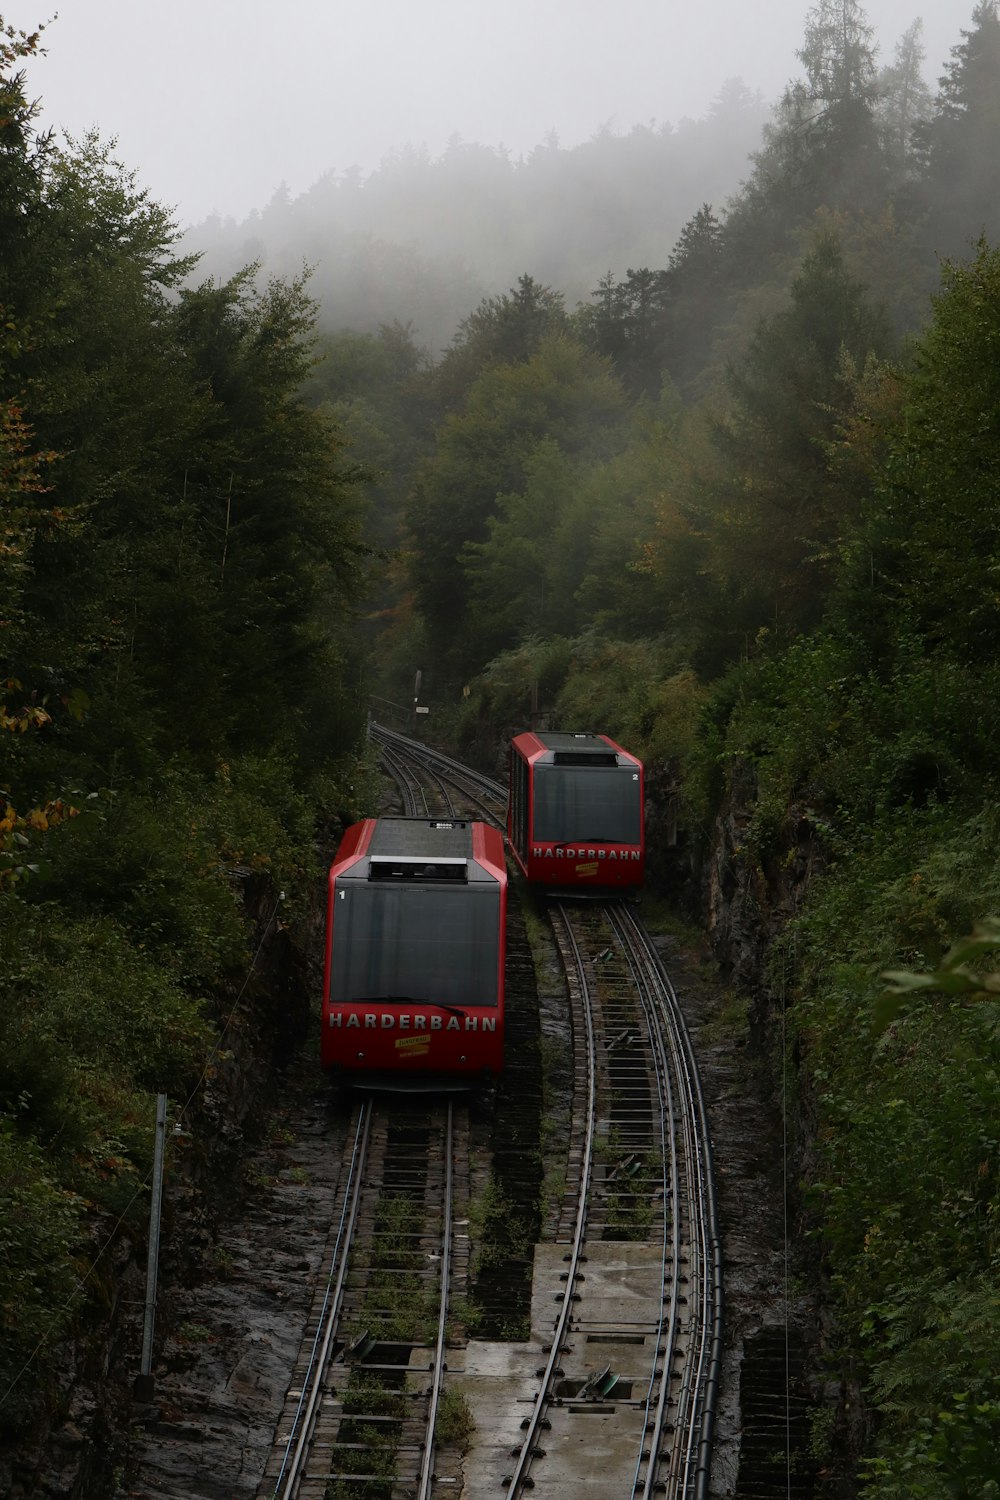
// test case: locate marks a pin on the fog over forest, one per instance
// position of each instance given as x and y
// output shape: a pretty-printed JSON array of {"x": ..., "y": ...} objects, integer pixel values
[
  {"x": 227, "y": 101},
  {"x": 424, "y": 239},
  {"x": 485, "y": 144}
]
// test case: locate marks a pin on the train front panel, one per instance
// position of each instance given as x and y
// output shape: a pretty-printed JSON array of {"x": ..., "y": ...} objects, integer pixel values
[
  {"x": 576, "y": 813},
  {"x": 414, "y": 993}
]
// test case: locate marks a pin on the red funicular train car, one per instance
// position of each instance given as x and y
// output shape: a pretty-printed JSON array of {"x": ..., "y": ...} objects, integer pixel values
[
  {"x": 414, "y": 986},
  {"x": 575, "y": 813}
]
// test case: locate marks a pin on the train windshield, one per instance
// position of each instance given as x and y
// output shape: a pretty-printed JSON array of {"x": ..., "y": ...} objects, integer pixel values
[
  {"x": 441, "y": 947},
  {"x": 597, "y": 803}
]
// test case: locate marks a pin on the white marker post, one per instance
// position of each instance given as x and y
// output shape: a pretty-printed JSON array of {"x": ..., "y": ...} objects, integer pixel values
[{"x": 144, "y": 1385}]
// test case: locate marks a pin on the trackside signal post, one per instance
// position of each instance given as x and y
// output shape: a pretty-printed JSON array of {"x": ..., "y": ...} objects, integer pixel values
[
  {"x": 144, "y": 1386},
  {"x": 419, "y": 709}
]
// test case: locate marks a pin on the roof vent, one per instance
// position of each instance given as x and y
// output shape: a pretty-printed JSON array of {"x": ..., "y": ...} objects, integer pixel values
[
  {"x": 585, "y": 758},
  {"x": 418, "y": 871}
]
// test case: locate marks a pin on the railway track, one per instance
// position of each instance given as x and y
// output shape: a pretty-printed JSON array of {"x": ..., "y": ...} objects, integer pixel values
[
  {"x": 364, "y": 1402},
  {"x": 501, "y": 1291},
  {"x": 419, "y": 782},
  {"x": 362, "y": 1410},
  {"x": 238, "y": 1331},
  {"x": 486, "y": 795},
  {"x": 637, "y": 1219},
  {"x": 637, "y": 1337}
]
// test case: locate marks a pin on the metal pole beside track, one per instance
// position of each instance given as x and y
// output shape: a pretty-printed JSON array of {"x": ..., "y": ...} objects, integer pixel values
[{"x": 144, "y": 1385}]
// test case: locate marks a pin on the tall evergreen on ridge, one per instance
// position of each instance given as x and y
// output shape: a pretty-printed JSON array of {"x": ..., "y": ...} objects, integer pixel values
[
  {"x": 563, "y": 397},
  {"x": 693, "y": 286},
  {"x": 658, "y": 323},
  {"x": 904, "y": 102},
  {"x": 625, "y": 323},
  {"x": 190, "y": 563},
  {"x": 506, "y": 329},
  {"x": 770, "y": 506},
  {"x": 822, "y": 149},
  {"x": 959, "y": 144},
  {"x": 838, "y": 53}
]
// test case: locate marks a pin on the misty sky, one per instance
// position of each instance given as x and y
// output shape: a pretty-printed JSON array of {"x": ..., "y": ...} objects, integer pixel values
[{"x": 215, "y": 103}]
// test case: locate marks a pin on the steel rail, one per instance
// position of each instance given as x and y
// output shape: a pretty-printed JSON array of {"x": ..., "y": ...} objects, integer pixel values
[
  {"x": 461, "y": 773},
  {"x": 414, "y": 796},
  {"x": 678, "y": 1478},
  {"x": 698, "y": 1396},
  {"x": 304, "y": 1420},
  {"x": 706, "y": 1367},
  {"x": 689, "y": 1180},
  {"x": 426, "y": 1477},
  {"x": 657, "y": 1390},
  {"x": 408, "y": 1171},
  {"x": 406, "y": 758},
  {"x": 520, "y": 1473}
]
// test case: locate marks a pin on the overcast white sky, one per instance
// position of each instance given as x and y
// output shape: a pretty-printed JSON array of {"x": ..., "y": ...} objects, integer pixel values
[{"x": 216, "y": 102}]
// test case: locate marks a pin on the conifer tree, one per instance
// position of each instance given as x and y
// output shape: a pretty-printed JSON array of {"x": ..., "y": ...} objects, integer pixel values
[
  {"x": 821, "y": 151},
  {"x": 959, "y": 144},
  {"x": 774, "y": 511},
  {"x": 904, "y": 100},
  {"x": 564, "y": 397},
  {"x": 935, "y": 522},
  {"x": 506, "y": 329},
  {"x": 693, "y": 288}
]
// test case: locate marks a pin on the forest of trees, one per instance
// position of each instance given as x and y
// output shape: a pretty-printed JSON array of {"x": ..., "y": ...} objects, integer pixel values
[
  {"x": 182, "y": 556},
  {"x": 736, "y": 502}
]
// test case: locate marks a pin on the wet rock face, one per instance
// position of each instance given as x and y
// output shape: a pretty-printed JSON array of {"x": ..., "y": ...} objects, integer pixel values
[
  {"x": 76, "y": 1449},
  {"x": 750, "y": 891},
  {"x": 743, "y": 890},
  {"x": 670, "y": 851},
  {"x": 733, "y": 888},
  {"x": 71, "y": 1459},
  {"x": 753, "y": 885},
  {"x": 222, "y": 1367}
]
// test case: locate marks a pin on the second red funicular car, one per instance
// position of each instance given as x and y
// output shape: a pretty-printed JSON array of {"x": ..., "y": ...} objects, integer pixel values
[{"x": 575, "y": 813}]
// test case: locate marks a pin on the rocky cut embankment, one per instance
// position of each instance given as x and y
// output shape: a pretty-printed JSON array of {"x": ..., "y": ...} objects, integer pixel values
[{"x": 76, "y": 1448}]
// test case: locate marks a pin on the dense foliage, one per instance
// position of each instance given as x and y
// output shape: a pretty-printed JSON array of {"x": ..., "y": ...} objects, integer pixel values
[
  {"x": 737, "y": 506},
  {"x": 880, "y": 727},
  {"x": 181, "y": 559},
  {"x": 740, "y": 509}
]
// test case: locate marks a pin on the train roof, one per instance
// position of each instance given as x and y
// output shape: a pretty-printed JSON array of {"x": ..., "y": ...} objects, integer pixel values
[
  {"x": 555, "y": 747},
  {"x": 413, "y": 837},
  {"x": 421, "y": 849}
]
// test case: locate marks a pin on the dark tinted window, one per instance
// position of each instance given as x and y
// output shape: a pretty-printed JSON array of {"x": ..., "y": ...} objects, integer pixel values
[
  {"x": 454, "y": 870},
  {"x": 518, "y": 801},
  {"x": 429, "y": 944},
  {"x": 602, "y": 805}
]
